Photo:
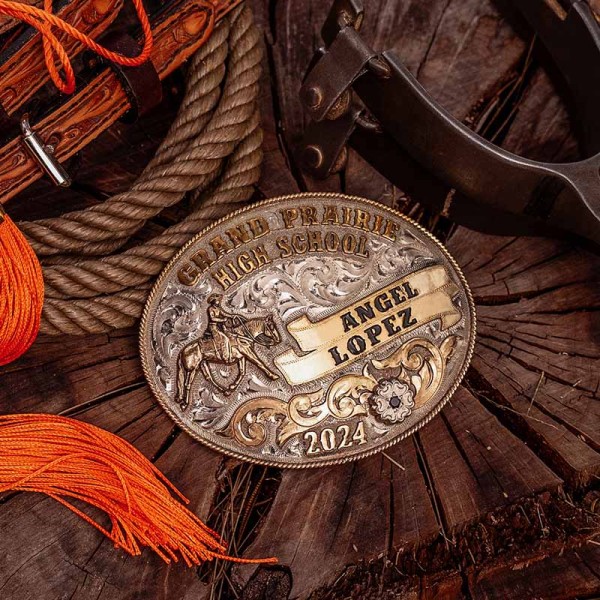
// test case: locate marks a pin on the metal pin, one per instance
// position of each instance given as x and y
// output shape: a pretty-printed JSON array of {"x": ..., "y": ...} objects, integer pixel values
[{"x": 43, "y": 155}]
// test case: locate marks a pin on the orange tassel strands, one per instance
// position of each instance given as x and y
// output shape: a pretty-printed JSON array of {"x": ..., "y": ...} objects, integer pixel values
[
  {"x": 67, "y": 459},
  {"x": 21, "y": 292}
]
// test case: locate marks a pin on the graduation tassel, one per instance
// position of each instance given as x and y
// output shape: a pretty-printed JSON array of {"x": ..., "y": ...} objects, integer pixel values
[
  {"x": 21, "y": 291},
  {"x": 68, "y": 459}
]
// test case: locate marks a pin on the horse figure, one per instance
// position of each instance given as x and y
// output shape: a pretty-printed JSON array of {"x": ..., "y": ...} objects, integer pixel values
[{"x": 243, "y": 335}]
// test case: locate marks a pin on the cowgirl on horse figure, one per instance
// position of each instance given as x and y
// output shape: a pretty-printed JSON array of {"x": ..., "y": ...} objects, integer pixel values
[{"x": 228, "y": 339}]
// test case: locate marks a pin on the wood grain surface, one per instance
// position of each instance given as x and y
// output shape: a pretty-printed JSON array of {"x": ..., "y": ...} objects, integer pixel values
[{"x": 497, "y": 498}]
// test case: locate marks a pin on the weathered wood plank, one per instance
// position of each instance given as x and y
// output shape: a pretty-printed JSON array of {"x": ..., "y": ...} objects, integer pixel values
[
  {"x": 344, "y": 514},
  {"x": 538, "y": 330},
  {"x": 56, "y": 375},
  {"x": 476, "y": 464},
  {"x": 568, "y": 453},
  {"x": 276, "y": 178},
  {"x": 576, "y": 572}
]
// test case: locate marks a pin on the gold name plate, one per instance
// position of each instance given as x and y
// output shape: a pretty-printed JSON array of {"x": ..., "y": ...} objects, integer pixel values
[{"x": 308, "y": 330}]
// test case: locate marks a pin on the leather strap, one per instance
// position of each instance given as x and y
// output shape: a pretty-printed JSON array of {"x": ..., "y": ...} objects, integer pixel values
[
  {"x": 9, "y": 126},
  {"x": 9, "y": 24},
  {"x": 141, "y": 84},
  {"x": 496, "y": 191},
  {"x": 179, "y": 30}
]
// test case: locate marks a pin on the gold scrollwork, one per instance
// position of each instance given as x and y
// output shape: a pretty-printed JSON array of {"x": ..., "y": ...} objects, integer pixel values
[
  {"x": 248, "y": 424},
  {"x": 420, "y": 363},
  {"x": 345, "y": 398}
]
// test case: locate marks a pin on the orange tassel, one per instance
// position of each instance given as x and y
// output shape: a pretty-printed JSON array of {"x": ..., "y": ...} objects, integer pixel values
[
  {"x": 21, "y": 292},
  {"x": 65, "y": 458}
]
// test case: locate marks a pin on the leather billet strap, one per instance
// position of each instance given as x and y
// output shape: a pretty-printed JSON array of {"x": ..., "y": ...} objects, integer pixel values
[
  {"x": 179, "y": 28},
  {"x": 141, "y": 84},
  {"x": 8, "y": 24},
  {"x": 22, "y": 68},
  {"x": 402, "y": 126}
]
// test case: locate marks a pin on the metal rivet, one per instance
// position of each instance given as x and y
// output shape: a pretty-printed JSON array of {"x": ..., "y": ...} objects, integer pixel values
[
  {"x": 313, "y": 97},
  {"x": 380, "y": 67},
  {"x": 340, "y": 161},
  {"x": 340, "y": 107},
  {"x": 344, "y": 19},
  {"x": 312, "y": 157}
]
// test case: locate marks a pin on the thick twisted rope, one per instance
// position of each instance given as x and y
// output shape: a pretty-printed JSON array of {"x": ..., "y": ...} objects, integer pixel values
[
  {"x": 212, "y": 152},
  {"x": 123, "y": 308},
  {"x": 178, "y": 168},
  {"x": 134, "y": 266}
]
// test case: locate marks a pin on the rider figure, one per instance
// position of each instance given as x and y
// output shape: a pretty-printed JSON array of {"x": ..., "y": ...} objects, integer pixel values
[{"x": 220, "y": 323}]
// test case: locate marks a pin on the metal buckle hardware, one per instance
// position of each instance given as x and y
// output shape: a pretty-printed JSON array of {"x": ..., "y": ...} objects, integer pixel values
[
  {"x": 43, "y": 155},
  {"x": 497, "y": 191}
]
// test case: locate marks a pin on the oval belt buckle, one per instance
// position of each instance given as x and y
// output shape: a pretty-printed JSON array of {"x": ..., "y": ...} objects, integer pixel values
[{"x": 308, "y": 330}]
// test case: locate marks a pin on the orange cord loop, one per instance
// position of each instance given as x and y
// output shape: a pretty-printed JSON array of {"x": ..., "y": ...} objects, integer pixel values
[{"x": 43, "y": 20}]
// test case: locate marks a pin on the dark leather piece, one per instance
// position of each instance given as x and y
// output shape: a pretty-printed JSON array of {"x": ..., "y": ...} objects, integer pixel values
[
  {"x": 334, "y": 73},
  {"x": 495, "y": 190},
  {"x": 141, "y": 84}
]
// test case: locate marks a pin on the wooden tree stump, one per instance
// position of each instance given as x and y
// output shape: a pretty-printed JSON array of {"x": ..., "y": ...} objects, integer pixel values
[{"x": 496, "y": 498}]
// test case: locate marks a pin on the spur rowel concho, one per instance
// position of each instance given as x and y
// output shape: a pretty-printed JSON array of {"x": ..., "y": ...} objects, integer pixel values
[{"x": 308, "y": 330}]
